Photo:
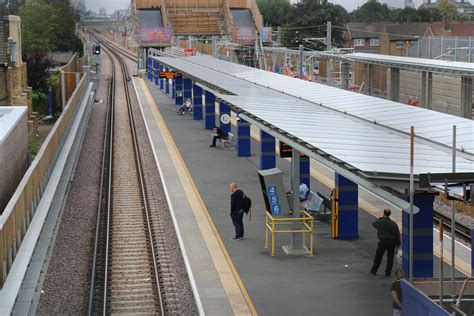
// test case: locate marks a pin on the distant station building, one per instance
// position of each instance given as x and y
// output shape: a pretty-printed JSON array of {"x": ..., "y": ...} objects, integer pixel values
[
  {"x": 13, "y": 150},
  {"x": 235, "y": 22}
]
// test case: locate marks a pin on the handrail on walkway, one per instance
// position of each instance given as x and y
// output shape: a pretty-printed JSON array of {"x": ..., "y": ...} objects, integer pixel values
[
  {"x": 305, "y": 220},
  {"x": 17, "y": 216}
]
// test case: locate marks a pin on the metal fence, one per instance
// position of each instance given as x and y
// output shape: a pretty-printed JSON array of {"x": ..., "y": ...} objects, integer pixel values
[
  {"x": 16, "y": 218},
  {"x": 444, "y": 48}
]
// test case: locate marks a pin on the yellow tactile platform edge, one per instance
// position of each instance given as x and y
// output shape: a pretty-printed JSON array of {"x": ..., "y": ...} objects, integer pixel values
[{"x": 235, "y": 289}]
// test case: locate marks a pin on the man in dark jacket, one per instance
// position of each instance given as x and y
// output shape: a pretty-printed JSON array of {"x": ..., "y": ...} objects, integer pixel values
[
  {"x": 237, "y": 210},
  {"x": 389, "y": 237},
  {"x": 218, "y": 134}
]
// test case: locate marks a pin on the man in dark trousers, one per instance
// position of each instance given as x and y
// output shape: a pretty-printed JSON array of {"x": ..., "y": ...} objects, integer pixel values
[
  {"x": 389, "y": 237},
  {"x": 237, "y": 210},
  {"x": 218, "y": 134}
]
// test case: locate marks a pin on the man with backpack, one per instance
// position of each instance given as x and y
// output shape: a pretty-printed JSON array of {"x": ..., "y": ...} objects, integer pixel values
[{"x": 239, "y": 204}]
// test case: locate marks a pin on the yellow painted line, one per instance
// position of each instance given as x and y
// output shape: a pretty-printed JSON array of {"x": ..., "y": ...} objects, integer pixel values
[{"x": 236, "y": 292}]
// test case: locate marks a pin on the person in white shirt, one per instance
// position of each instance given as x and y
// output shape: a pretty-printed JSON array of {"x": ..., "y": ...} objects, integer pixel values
[{"x": 304, "y": 190}]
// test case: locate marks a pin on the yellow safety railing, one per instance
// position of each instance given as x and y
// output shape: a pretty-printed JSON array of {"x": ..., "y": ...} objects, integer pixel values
[
  {"x": 20, "y": 209},
  {"x": 306, "y": 226}
]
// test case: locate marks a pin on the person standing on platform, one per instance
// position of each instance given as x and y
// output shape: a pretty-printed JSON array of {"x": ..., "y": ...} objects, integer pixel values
[
  {"x": 237, "y": 210},
  {"x": 396, "y": 292},
  {"x": 389, "y": 237}
]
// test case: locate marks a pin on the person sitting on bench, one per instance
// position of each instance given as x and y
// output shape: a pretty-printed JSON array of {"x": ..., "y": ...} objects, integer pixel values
[
  {"x": 218, "y": 134},
  {"x": 304, "y": 192},
  {"x": 186, "y": 107}
]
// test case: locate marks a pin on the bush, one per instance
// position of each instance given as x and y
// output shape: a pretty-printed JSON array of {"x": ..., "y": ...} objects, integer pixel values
[
  {"x": 33, "y": 146},
  {"x": 40, "y": 102}
]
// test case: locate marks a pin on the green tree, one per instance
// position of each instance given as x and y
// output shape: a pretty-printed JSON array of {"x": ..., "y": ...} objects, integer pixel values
[
  {"x": 308, "y": 18},
  {"x": 406, "y": 15},
  {"x": 274, "y": 12},
  {"x": 371, "y": 11},
  {"x": 448, "y": 10},
  {"x": 39, "y": 25},
  {"x": 65, "y": 38},
  {"x": 429, "y": 14}
]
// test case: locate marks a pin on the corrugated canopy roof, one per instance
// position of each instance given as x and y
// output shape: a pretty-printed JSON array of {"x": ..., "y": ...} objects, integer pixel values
[
  {"x": 367, "y": 133},
  {"x": 435, "y": 65}
]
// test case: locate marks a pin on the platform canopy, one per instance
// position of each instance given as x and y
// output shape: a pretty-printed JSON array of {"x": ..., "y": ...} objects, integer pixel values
[
  {"x": 412, "y": 63},
  {"x": 348, "y": 132}
]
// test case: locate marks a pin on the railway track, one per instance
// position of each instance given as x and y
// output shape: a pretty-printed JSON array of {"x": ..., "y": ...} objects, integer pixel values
[
  {"x": 462, "y": 232},
  {"x": 125, "y": 53},
  {"x": 126, "y": 276}
]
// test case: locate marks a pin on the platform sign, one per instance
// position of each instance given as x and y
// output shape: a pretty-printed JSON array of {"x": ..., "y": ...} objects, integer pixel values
[
  {"x": 272, "y": 193},
  {"x": 286, "y": 150},
  {"x": 273, "y": 190},
  {"x": 169, "y": 74}
]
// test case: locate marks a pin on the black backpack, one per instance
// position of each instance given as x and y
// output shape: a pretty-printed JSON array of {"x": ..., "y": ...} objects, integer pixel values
[{"x": 247, "y": 206}]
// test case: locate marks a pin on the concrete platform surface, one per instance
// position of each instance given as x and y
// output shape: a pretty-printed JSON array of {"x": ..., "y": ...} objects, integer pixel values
[{"x": 333, "y": 282}]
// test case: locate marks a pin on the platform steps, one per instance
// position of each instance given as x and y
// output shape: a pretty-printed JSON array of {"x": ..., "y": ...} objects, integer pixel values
[{"x": 194, "y": 17}]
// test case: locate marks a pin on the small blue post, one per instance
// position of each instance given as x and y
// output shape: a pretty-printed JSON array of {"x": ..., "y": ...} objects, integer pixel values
[
  {"x": 50, "y": 100},
  {"x": 267, "y": 151},
  {"x": 305, "y": 171},
  {"x": 422, "y": 237},
  {"x": 210, "y": 119},
  {"x": 162, "y": 81},
  {"x": 167, "y": 83},
  {"x": 187, "y": 88},
  {"x": 197, "y": 102},
  {"x": 243, "y": 139},
  {"x": 224, "y": 117},
  {"x": 348, "y": 218},
  {"x": 179, "y": 91},
  {"x": 155, "y": 72},
  {"x": 173, "y": 88}
]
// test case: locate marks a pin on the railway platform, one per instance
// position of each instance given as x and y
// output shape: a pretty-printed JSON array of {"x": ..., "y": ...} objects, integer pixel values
[{"x": 241, "y": 276}]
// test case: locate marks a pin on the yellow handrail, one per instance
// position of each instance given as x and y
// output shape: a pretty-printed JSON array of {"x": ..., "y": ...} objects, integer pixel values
[{"x": 306, "y": 223}]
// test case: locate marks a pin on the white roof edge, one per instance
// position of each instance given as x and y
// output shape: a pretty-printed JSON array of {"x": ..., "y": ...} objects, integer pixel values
[{"x": 10, "y": 120}]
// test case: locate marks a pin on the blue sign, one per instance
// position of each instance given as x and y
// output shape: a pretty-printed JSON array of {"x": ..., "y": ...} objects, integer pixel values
[{"x": 275, "y": 206}]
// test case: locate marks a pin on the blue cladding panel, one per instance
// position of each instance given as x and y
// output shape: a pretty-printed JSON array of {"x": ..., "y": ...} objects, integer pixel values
[
  {"x": 348, "y": 218},
  {"x": 267, "y": 151},
  {"x": 173, "y": 88},
  {"x": 197, "y": 102},
  {"x": 210, "y": 118},
  {"x": 179, "y": 91},
  {"x": 167, "y": 83},
  {"x": 243, "y": 139},
  {"x": 224, "y": 109},
  {"x": 305, "y": 171},
  {"x": 422, "y": 238},
  {"x": 155, "y": 72},
  {"x": 188, "y": 88},
  {"x": 416, "y": 303},
  {"x": 162, "y": 81},
  {"x": 150, "y": 68}
]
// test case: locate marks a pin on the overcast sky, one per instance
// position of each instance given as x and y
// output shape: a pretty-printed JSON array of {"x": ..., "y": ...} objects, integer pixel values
[{"x": 112, "y": 5}]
